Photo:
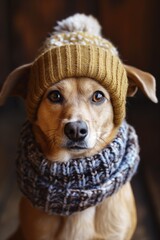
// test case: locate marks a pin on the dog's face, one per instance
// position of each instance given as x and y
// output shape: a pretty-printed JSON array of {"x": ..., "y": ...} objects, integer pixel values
[
  {"x": 75, "y": 116},
  {"x": 74, "y": 119}
]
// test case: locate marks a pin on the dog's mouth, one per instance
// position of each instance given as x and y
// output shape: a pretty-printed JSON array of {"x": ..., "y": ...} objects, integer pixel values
[
  {"x": 77, "y": 148},
  {"x": 76, "y": 145}
]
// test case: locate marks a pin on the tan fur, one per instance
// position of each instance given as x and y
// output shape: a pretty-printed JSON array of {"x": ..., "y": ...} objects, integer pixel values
[
  {"x": 114, "y": 218},
  {"x": 51, "y": 119}
]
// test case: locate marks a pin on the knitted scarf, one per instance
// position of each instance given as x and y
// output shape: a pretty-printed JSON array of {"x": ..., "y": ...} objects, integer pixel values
[{"x": 67, "y": 187}]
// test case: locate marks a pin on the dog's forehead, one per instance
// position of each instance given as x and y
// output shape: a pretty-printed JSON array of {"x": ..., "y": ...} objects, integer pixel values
[{"x": 80, "y": 85}]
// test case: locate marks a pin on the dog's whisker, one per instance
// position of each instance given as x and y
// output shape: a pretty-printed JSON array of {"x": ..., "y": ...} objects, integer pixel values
[
  {"x": 100, "y": 139},
  {"x": 51, "y": 130},
  {"x": 54, "y": 141},
  {"x": 99, "y": 132},
  {"x": 50, "y": 136}
]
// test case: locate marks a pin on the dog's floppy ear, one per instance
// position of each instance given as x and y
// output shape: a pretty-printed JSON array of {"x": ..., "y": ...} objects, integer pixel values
[
  {"x": 143, "y": 80},
  {"x": 15, "y": 83}
]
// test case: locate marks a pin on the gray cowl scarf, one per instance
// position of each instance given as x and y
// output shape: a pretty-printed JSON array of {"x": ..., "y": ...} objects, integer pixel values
[{"x": 67, "y": 187}]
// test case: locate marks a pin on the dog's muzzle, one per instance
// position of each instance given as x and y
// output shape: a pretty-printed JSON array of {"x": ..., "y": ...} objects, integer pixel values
[{"x": 76, "y": 132}]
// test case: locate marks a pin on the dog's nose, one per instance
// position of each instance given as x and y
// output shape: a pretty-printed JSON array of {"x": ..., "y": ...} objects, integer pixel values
[{"x": 76, "y": 131}]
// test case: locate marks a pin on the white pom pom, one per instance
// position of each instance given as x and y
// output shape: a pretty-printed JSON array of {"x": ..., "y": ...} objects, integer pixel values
[{"x": 79, "y": 22}]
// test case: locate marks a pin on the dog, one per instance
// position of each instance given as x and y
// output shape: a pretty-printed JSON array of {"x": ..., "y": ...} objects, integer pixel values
[{"x": 75, "y": 119}]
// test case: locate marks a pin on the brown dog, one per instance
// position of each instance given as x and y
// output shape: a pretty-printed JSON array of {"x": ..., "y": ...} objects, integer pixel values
[
  {"x": 106, "y": 220},
  {"x": 77, "y": 108}
]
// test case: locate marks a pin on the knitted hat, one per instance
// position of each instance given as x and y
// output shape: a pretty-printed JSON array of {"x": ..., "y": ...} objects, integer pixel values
[{"x": 77, "y": 49}]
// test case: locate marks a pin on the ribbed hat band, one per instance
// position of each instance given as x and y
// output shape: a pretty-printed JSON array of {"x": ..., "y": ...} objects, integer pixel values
[{"x": 78, "y": 60}]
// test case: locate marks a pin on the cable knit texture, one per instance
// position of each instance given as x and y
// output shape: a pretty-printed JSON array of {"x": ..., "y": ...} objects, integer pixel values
[
  {"x": 77, "y": 49},
  {"x": 67, "y": 187}
]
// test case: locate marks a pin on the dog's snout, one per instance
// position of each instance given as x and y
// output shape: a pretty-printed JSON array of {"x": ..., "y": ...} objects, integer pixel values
[{"x": 76, "y": 131}]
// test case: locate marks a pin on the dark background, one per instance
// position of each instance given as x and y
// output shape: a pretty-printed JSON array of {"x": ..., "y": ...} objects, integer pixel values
[{"x": 134, "y": 28}]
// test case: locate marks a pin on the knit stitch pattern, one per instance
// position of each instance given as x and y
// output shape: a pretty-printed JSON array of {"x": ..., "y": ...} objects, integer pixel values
[{"x": 67, "y": 187}]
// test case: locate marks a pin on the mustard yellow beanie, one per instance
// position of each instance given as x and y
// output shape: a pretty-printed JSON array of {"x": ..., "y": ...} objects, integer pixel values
[{"x": 77, "y": 49}]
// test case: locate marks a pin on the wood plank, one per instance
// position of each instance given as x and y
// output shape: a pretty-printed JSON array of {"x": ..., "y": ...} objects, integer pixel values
[
  {"x": 4, "y": 41},
  {"x": 147, "y": 227},
  {"x": 127, "y": 25},
  {"x": 153, "y": 186}
]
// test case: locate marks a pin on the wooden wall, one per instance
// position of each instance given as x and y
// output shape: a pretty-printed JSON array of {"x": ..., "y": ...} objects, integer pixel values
[
  {"x": 131, "y": 25},
  {"x": 128, "y": 23}
]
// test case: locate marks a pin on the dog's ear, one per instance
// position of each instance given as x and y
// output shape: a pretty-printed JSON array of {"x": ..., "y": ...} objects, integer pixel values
[
  {"x": 15, "y": 83},
  {"x": 143, "y": 80}
]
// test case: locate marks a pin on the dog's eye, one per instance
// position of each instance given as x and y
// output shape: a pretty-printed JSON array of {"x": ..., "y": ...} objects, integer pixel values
[
  {"x": 55, "y": 96},
  {"x": 98, "y": 97}
]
